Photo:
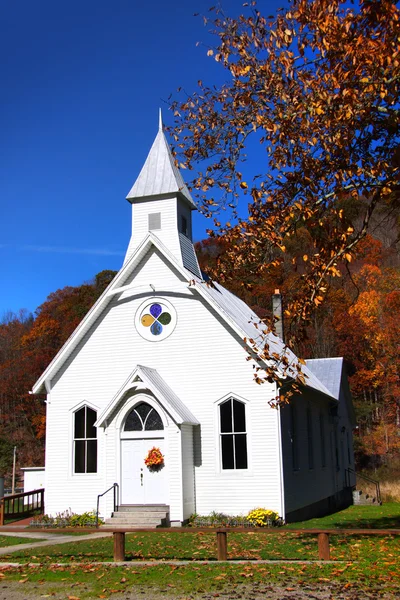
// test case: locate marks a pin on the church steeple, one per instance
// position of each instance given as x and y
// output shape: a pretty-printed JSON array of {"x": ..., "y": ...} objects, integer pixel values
[
  {"x": 162, "y": 204},
  {"x": 159, "y": 175}
]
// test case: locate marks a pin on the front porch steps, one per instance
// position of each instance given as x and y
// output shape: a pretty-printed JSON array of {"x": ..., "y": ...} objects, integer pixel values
[
  {"x": 361, "y": 498},
  {"x": 139, "y": 516}
]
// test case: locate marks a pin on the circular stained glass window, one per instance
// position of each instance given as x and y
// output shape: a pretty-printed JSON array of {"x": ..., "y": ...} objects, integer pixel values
[{"x": 155, "y": 319}]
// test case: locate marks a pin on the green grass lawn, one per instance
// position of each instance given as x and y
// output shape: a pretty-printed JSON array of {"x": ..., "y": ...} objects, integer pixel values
[
  {"x": 8, "y": 540},
  {"x": 363, "y": 564},
  {"x": 357, "y": 517},
  {"x": 202, "y": 546},
  {"x": 196, "y": 580}
]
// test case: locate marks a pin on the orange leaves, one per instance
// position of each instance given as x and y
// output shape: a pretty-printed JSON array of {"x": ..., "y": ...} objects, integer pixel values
[{"x": 315, "y": 88}]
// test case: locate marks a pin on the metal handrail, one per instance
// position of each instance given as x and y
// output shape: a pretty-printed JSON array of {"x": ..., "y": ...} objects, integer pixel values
[
  {"x": 114, "y": 487},
  {"x": 370, "y": 480}
]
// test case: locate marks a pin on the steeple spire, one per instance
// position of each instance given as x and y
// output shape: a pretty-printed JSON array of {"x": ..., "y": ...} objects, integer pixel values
[
  {"x": 159, "y": 175},
  {"x": 162, "y": 205},
  {"x": 160, "y": 123}
]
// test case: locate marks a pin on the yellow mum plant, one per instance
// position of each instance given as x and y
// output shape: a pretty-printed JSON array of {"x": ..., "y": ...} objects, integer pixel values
[{"x": 261, "y": 517}]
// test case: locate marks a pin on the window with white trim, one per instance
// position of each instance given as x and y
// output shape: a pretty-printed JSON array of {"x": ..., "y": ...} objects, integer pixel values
[
  {"x": 233, "y": 434},
  {"x": 85, "y": 440}
]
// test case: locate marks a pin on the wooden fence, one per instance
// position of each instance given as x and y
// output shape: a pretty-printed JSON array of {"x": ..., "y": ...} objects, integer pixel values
[
  {"x": 20, "y": 506},
  {"x": 221, "y": 535}
]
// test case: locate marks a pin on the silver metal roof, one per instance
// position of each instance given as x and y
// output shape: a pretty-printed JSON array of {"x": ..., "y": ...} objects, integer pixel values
[
  {"x": 161, "y": 391},
  {"x": 189, "y": 257},
  {"x": 159, "y": 175},
  {"x": 245, "y": 319},
  {"x": 165, "y": 394},
  {"x": 329, "y": 372}
]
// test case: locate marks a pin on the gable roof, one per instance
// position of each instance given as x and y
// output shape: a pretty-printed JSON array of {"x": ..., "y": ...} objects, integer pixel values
[
  {"x": 238, "y": 316},
  {"x": 159, "y": 175},
  {"x": 328, "y": 371},
  {"x": 189, "y": 257},
  {"x": 332, "y": 372},
  {"x": 246, "y": 322},
  {"x": 160, "y": 389}
]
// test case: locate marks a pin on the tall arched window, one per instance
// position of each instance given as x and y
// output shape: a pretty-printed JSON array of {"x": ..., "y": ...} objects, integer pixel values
[
  {"x": 85, "y": 441},
  {"x": 143, "y": 418},
  {"x": 233, "y": 434}
]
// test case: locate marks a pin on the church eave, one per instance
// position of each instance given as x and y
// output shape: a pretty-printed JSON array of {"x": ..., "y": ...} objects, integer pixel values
[{"x": 178, "y": 193}]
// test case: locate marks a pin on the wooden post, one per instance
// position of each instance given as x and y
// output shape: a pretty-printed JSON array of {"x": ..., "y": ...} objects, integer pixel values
[
  {"x": 14, "y": 471},
  {"x": 323, "y": 546},
  {"x": 119, "y": 546},
  {"x": 1, "y": 512},
  {"x": 222, "y": 545}
]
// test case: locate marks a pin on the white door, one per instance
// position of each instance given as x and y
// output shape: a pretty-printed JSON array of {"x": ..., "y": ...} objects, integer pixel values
[{"x": 139, "y": 484}]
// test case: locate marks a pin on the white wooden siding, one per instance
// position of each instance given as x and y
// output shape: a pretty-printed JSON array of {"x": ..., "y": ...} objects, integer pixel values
[
  {"x": 188, "y": 471},
  {"x": 168, "y": 234},
  {"x": 201, "y": 361}
]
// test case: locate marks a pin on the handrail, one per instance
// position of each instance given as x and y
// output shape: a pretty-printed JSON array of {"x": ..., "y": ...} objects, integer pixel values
[
  {"x": 370, "y": 480},
  {"x": 21, "y": 505},
  {"x": 114, "y": 487}
]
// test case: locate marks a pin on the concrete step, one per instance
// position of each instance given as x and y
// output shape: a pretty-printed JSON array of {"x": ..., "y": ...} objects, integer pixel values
[
  {"x": 154, "y": 514},
  {"x": 137, "y": 519},
  {"x": 138, "y": 523},
  {"x": 143, "y": 507},
  {"x": 134, "y": 525},
  {"x": 139, "y": 516},
  {"x": 362, "y": 499}
]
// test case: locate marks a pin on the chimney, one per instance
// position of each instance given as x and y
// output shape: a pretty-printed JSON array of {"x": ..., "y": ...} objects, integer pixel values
[{"x": 278, "y": 313}]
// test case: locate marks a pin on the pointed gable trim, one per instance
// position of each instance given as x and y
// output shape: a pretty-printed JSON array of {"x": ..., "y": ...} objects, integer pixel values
[
  {"x": 101, "y": 304},
  {"x": 231, "y": 309},
  {"x": 160, "y": 390}
]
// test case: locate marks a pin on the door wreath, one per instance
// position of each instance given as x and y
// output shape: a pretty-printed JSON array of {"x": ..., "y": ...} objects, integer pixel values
[{"x": 154, "y": 459}]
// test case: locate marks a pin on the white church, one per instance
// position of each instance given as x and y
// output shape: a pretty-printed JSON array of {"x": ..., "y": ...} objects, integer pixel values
[{"x": 159, "y": 363}]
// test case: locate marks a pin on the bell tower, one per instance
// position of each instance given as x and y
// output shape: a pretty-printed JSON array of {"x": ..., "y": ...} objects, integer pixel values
[{"x": 162, "y": 204}]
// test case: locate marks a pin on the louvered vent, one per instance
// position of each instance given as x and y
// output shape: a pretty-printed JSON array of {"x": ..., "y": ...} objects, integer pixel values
[{"x": 154, "y": 221}]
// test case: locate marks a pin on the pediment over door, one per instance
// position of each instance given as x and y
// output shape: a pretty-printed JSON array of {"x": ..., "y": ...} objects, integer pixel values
[{"x": 142, "y": 380}]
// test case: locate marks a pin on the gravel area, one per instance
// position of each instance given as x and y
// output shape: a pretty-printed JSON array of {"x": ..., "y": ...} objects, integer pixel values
[{"x": 248, "y": 591}]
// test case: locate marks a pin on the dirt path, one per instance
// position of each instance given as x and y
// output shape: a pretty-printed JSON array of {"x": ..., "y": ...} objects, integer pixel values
[
  {"x": 49, "y": 539},
  {"x": 254, "y": 591}
]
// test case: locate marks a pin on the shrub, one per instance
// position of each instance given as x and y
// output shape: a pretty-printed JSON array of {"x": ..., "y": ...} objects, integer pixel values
[
  {"x": 259, "y": 517},
  {"x": 262, "y": 517},
  {"x": 217, "y": 519},
  {"x": 67, "y": 519}
]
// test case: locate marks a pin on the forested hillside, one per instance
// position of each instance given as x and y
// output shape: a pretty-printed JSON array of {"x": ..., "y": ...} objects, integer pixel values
[
  {"x": 27, "y": 345},
  {"x": 359, "y": 320}
]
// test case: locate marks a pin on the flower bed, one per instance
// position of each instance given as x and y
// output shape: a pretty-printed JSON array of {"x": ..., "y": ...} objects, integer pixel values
[
  {"x": 66, "y": 519},
  {"x": 259, "y": 517}
]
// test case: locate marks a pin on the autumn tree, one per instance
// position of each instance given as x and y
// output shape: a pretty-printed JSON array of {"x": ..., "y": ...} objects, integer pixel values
[
  {"x": 27, "y": 344},
  {"x": 317, "y": 88}
]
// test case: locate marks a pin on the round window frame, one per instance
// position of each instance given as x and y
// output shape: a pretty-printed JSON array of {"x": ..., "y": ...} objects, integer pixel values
[{"x": 145, "y": 332}]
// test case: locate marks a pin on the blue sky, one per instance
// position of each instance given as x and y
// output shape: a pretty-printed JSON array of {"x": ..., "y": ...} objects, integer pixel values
[{"x": 81, "y": 83}]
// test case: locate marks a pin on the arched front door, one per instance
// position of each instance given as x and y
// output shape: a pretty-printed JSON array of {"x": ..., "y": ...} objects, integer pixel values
[{"x": 143, "y": 430}]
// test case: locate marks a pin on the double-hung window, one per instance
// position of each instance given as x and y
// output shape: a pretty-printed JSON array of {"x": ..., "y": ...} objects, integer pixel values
[
  {"x": 233, "y": 434},
  {"x": 85, "y": 441}
]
